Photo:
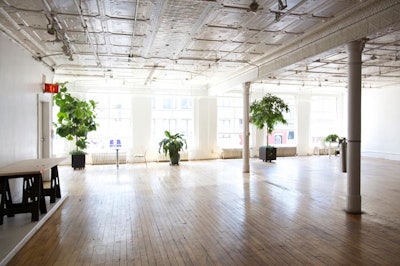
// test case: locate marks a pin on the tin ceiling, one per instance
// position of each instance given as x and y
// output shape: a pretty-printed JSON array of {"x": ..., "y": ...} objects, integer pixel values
[{"x": 200, "y": 44}]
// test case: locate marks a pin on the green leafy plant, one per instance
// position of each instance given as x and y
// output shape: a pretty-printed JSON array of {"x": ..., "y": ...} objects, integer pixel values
[
  {"x": 172, "y": 145},
  {"x": 268, "y": 112},
  {"x": 332, "y": 138},
  {"x": 75, "y": 119}
]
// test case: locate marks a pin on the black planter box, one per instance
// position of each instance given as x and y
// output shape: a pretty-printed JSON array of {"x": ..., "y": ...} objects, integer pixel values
[
  {"x": 78, "y": 161},
  {"x": 267, "y": 153}
]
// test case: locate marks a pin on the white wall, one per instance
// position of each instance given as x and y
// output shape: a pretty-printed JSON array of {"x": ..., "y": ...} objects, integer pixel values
[
  {"x": 380, "y": 128},
  {"x": 21, "y": 82}
]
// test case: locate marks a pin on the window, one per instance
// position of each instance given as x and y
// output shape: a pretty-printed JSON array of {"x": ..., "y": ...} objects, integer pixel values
[
  {"x": 173, "y": 114},
  {"x": 114, "y": 122},
  {"x": 186, "y": 103},
  {"x": 324, "y": 117},
  {"x": 114, "y": 119},
  {"x": 230, "y": 122},
  {"x": 168, "y": 103},
  {"x": 278, "y": 138},
  {"x": 284, "y": 135}
]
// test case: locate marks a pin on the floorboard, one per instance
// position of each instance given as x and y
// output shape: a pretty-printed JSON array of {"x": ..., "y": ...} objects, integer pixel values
[{"x": 288, "y": 212}]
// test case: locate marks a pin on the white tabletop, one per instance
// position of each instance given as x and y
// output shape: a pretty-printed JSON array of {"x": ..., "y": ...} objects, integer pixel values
[{"x": 27, "y": 167}]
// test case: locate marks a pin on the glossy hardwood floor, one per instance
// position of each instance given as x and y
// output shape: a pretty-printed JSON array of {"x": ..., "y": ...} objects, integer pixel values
[{"x": 290, "y": 212}]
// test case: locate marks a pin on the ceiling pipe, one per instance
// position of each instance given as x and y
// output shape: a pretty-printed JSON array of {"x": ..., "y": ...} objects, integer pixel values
[
  {"x": 58, "y": 31},
  {"x": 39, "y": 58},
  {"x": 150, "y": 76},
  {"x": 196, "y": 27},
  {"x": 158, "y": 13},
  {"x": 20, "y": 30},
  {"x": 133, "y": 30},
  {"x": 84, "y": 26}
]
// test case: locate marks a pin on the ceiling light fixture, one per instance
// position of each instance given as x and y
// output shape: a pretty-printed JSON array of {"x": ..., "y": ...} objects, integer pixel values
[
  {"x": 282, "y": 4},
  {"x": 253, "y": 6},
  {"x": 50, "y": 29},
  {"x": 278, "y": 16},
  {"x": 54, "y": 28}
]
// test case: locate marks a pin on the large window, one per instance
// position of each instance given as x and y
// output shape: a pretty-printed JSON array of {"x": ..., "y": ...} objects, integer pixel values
[
  {"x": 174, "y": 114},
  {"x": 324, "y": 117},
  {"x": 114, "y": 119},
  {"x": 230, "y": 122},
  {"x": 286, "y": 135}
]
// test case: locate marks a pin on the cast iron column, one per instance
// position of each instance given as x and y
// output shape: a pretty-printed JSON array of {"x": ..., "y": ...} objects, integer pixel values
[
  {"x": 354, "y": 50},
  {"x": 246, "y": 132}
]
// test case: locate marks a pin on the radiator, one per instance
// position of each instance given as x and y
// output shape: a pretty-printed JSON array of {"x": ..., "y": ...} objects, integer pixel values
[
  {"x": 108, "y": 157},
  {"x": 286, "y": 151},
  {"x": 231, "y": 153}
]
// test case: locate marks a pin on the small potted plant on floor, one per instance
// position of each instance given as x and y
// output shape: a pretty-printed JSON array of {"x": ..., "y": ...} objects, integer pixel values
[
  {"x": 268, "y": 112},
  {"x": 75, "y": 119},
  {"x": 332, "y": 138},
  {"x": 172, "y": 145}
]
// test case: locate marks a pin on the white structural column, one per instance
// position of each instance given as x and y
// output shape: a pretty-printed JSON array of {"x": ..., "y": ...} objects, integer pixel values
[
  {"x": 246, "y": 132},
  {"x": 354, "y": 50}
]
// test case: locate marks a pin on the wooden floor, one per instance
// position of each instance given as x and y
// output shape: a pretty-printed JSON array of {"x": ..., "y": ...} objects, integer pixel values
[{"x": 290, "y": 212}]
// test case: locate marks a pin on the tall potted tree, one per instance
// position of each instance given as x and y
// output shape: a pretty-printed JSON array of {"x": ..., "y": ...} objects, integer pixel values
[
  {"x": 269, "y": 111},
  {"x": 75, "y": 119},
  {"x": 172, "y": 145}
]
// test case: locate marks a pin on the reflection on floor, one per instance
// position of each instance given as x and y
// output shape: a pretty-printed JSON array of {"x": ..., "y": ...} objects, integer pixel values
[{"x": 17, "y": 230}]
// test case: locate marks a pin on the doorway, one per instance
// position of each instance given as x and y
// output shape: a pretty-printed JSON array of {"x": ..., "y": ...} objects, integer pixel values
[{"x": 44, "y": 129}]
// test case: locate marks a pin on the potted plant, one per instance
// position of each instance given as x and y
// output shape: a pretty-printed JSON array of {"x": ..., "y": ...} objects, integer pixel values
[
  {"x": 75, "y": 119},
  {"x": 268, "y": 112},
  {"x": 172, "y": 145},
  {"x": 332, "y": 138}
]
